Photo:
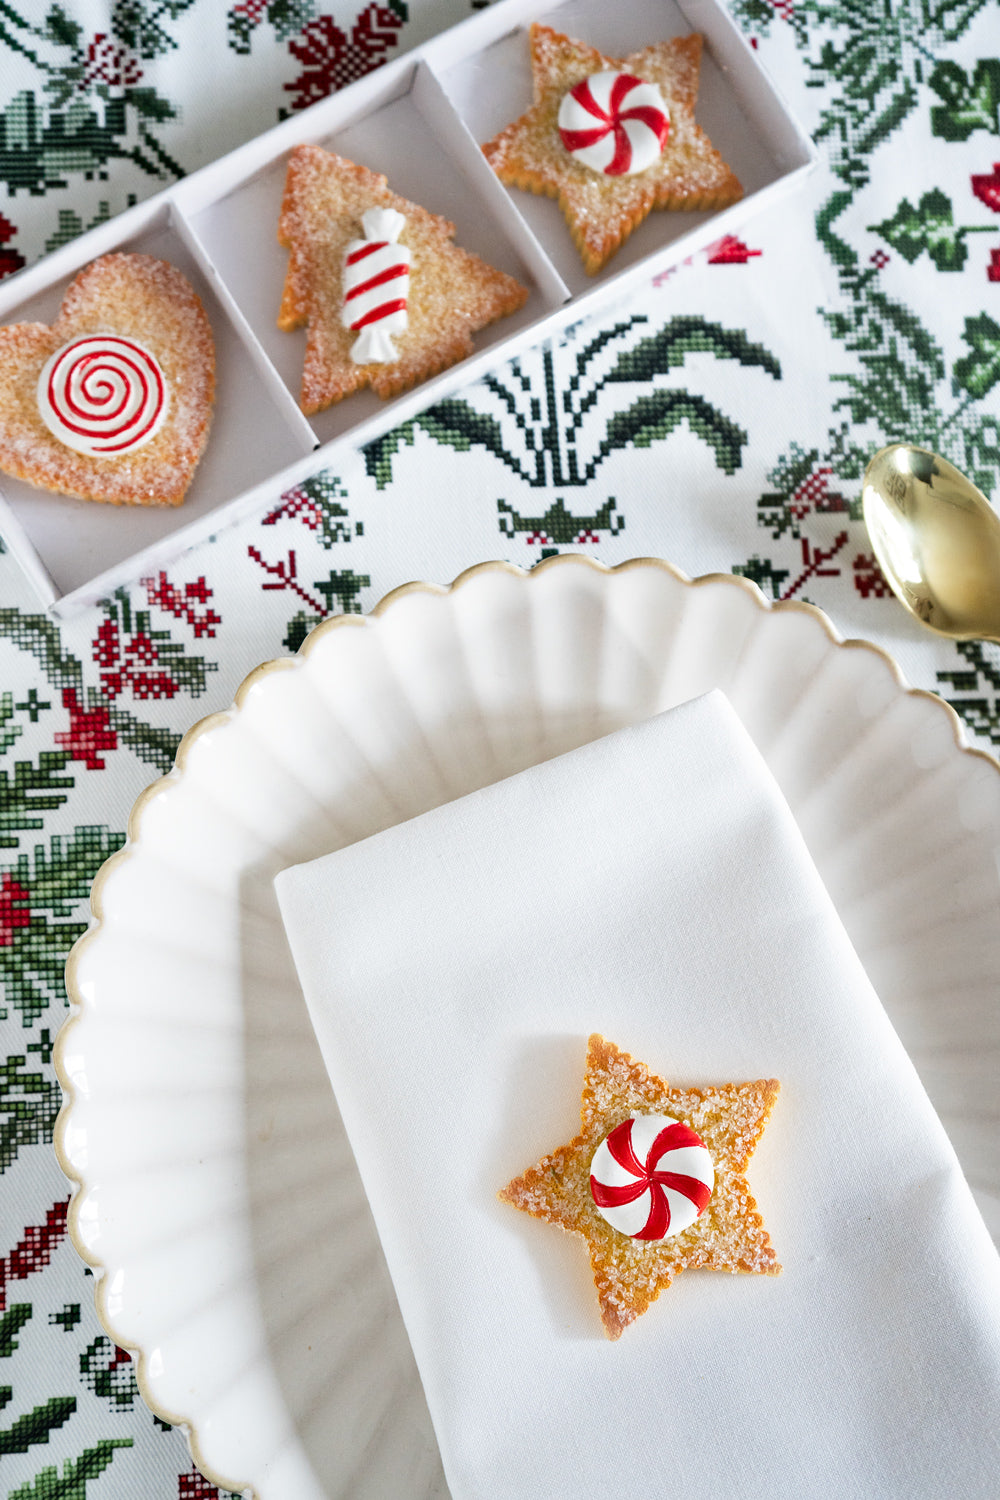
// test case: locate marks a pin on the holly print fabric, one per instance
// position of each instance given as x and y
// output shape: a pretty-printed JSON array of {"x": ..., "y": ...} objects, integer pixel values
[{"x": 721, "y": 418}]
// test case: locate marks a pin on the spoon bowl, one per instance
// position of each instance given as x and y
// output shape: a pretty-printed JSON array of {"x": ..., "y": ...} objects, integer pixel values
[{"x": 937, "y": 540}]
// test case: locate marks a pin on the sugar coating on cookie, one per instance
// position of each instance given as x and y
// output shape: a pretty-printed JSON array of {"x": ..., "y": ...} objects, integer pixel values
[
  {"x": 163, "y": 332},
  {"x": 450, "y": 292},
  {"x": 727, "y": 1235},
  {"x": 602, "y": 209}
]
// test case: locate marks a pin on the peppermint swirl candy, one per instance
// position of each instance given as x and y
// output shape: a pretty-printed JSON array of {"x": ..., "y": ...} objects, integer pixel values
[
  {"x": 102, "y": 394},
  {"x": 651, "y": 1177},
  {"x": 614, "y": 123}
]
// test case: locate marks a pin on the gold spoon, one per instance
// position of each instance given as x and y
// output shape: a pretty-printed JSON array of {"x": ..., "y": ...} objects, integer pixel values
[{"x": 937, "y": 541}]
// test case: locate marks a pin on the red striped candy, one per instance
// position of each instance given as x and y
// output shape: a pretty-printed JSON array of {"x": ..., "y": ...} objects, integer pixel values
[
  {"x": 614, "y": 123},
  {"x": 651, "y": 1177}
]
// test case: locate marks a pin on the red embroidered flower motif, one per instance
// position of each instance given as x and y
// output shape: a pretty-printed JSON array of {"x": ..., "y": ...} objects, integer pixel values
[
  {"x": 10, "y": 260},
  {"x": 296, "y": 502},
  {"x": 987, "y": 187},
  {"x": 128, "y": 666},
  {"x": 89, "y": 732},
  {"x": 182, "y": 605},
  {"x": 869, "y": 580},
  {"x": 993, "y": 269},
  {"x": 195, "y": 1486},
  {"x": 332, "y": 60},
  {"x": 729, "y": 251},
  {"x": 253, "y": 10},
  {"x": 880, "y": 260},
  {"x": 14, "y": 909},
  {"x": 110, "y": 64},
  {"x": 810, "y": 494}
]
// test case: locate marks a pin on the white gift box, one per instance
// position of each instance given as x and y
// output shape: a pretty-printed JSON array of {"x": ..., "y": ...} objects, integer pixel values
[{"x": 420, "y": 121}]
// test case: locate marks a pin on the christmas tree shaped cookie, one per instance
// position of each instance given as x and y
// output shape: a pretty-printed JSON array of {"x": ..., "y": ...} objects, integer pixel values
[
  {"x": 387, "y": 299},
  {"x": 654, "y": 1182},
  {"x": 612, "y": 139}
]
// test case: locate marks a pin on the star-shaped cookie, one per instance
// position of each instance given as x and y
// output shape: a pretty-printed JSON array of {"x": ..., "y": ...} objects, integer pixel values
[
  {"x": 729, "y": 1234},
  {"x": 603, "y": 210}
]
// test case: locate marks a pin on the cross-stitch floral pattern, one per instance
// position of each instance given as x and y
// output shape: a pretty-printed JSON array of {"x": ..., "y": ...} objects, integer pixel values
[
  {"x": 721, "y": 417},
  {"x": 332, "y": 58}
]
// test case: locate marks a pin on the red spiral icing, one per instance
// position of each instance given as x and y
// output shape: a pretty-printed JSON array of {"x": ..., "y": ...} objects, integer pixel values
[{"x": 103, "y": 394}]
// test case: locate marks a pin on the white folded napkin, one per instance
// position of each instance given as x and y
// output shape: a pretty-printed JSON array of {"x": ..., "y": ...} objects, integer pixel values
[{"x": 654, "y": 887}]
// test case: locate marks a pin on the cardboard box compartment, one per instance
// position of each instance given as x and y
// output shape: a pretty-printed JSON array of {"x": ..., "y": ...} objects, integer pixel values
[{"x": 420, "y": 121}]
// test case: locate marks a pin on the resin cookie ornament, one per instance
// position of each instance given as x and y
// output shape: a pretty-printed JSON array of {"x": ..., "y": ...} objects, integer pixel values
[
  {"x": 387, "y": 299},
  {"x": 612, "y": 139},
  {"x": 654, "y": 1182},
  {"x": 113, "y": 402}
]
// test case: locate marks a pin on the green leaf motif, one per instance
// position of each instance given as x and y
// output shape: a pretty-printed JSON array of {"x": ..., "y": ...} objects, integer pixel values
[
  {"x": 289, "y": 16},
  {"x": 60, "y": 877},
  {"x": 299, "y": 626},
  {"x": 40, "y": 635},
  {"x": 762, "y": 572},
  {"x": 286, "y": 16},
  {"x": 981, "y": 711},
  {"x": 978, "y": 371},
  {"x": 29, "y": 790},
  {"x": 11, "y": 1324},
  {"x": 60, "y": 29},
  {"x": 344, "y": 588},
  {"x": 668, "y": 349},
  {"x": 380, "y": 453},
  {"x": 459, "y": 426},
  {"x": 9, "y": 731},
  {"x": 29, "y": 1103},
  {"x": 35, "y": 1426},
  {"x": 69, "y": 224},
  {"x": 654, "y": 417},
  {"x": 931, "y": 227},
  {"x": 135, "y": 24},
  {"x": 558, "y": 524},
  {"x": 969, "y": 103},
  {"x": 72, "y": 1485},
  {"x": 55, "y": 883},
  {"x": 41, "y": 147},
  {"x": 151, "y": 105}
]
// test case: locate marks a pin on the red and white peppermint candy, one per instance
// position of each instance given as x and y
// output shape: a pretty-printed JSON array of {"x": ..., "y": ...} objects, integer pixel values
[
  {"x": 651, "y": 1177},
  {"x": 614, "y": 123},
  {"x": 376, "y": 287},
  {"x": 102, "y": 394}
]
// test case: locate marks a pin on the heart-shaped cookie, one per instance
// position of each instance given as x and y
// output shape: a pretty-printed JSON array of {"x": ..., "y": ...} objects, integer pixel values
[{"x": 114, "y": 401}]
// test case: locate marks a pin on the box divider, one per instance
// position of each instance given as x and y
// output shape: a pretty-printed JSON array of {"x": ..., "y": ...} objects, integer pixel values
[
  {"x": 431, "y": 98},
  {"x": 285, "y": 402},
  {"x": 21, "y": 545}
]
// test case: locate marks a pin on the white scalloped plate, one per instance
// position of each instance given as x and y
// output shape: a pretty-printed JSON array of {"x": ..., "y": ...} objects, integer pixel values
[{"x": 218, "y": 1199}]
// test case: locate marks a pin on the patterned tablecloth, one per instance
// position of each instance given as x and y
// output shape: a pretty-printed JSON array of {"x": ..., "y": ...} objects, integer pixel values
[{"x": 864, "y": 309}]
